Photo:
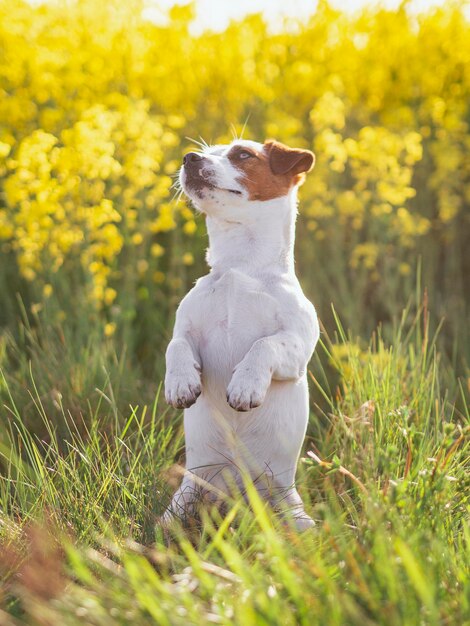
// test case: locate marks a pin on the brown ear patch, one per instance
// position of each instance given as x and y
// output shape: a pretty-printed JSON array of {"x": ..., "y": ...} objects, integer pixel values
[
  {"x": 283, "y": 159},
  {"x": 271, "y": 172}
]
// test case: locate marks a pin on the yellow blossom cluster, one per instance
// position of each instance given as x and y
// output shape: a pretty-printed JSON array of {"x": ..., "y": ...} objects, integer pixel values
[
  {"x": 351, "y": 360},
  {"x": 97, "y": 103}
]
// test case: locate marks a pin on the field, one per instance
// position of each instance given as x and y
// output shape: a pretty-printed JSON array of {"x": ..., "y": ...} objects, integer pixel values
[{"x": 97, "y": 107}]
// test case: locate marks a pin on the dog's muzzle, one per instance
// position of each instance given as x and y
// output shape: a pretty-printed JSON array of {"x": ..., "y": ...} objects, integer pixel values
[
  {"x": 192, "y": 158},
  {"x": 199, "y": 176}
]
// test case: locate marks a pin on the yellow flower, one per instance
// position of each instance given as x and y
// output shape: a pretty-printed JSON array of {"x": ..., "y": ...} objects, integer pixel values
[
  {"x": 188, "y": 258},
  {"x": 158, "y": 277},
  {"x": 328, "y": 112},
  {"x": 176, "y": 121},
  {"x": 28, "y": 273},
  {"x": 47, "y": 290},
  {"x": 157, "y": 250},
  {"x": 366, "y": 254},
  {"x": 110, "y": 329},
  {"x": 190, "y": 227},
  {"x": 4, "y": 149},
  {"x": 350, "y": 204},
  {"x": 109, "y": 295}
]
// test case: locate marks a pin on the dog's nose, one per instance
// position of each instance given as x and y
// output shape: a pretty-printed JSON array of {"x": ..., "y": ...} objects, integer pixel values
[{"x": 191, "y": 157}]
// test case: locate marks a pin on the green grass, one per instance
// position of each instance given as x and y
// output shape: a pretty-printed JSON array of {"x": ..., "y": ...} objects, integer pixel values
[{"x": 384, "y": 474}]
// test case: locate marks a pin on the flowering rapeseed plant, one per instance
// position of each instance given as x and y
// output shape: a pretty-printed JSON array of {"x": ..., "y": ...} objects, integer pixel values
[{"x": 96, "y": 104}]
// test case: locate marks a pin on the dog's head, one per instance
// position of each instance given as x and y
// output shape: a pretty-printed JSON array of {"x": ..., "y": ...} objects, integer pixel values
[{"x": 233, "y": 175}]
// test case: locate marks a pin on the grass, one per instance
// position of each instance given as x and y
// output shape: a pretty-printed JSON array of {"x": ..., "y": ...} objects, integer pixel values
[{"x": 384, "y": 474}]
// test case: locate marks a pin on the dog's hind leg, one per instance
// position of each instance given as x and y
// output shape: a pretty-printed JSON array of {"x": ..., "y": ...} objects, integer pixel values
[
  {"x": 284, "y": 500},
  {"x": 183, "y": 503},
  {"x": 289, "y": 503},
  {"x": 200, "y": 485}
]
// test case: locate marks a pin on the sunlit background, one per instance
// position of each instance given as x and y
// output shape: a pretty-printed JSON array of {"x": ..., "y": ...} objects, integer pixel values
[
  {"x": 99, "y": 101},
  {"x": 216, "y": 14}
]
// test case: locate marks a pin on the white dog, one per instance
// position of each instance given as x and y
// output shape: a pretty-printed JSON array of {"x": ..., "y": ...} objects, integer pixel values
[{"x": 244, "y": 334}]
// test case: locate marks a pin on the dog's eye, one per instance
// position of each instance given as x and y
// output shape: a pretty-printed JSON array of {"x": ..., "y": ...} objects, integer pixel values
[{"x": 244, "y": 155}]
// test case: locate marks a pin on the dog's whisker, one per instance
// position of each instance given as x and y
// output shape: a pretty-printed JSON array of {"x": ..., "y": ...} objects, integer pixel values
[
  {"x": 177, "y": 196},
  {"x": 244, "y": 125},
  {"x": 233, "y": 130},
  {"x": 176, "y": 186},
  {"x": 202, "y": 144}
]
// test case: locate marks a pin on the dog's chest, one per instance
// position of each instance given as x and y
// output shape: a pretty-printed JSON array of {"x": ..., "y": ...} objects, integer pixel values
[{"x": 234, "y": 311}]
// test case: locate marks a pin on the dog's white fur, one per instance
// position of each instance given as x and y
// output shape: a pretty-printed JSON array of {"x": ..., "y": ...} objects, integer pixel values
[{"x": 243, "y": 337}]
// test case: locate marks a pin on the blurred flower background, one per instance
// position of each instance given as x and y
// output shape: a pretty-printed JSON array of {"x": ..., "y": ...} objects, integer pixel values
[{"x": 98, "y": 104}]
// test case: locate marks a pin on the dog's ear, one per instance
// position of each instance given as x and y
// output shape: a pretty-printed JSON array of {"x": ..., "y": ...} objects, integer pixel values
[{"x": 283, "y": 160}]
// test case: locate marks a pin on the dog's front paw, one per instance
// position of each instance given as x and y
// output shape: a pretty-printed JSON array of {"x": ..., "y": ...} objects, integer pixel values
[
  {"x": 247, "y": 389},
  {"x": 183, "y": 387}
]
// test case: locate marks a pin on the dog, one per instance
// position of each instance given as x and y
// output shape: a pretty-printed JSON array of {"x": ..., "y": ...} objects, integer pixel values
[{"x": 244, "y": 334}]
